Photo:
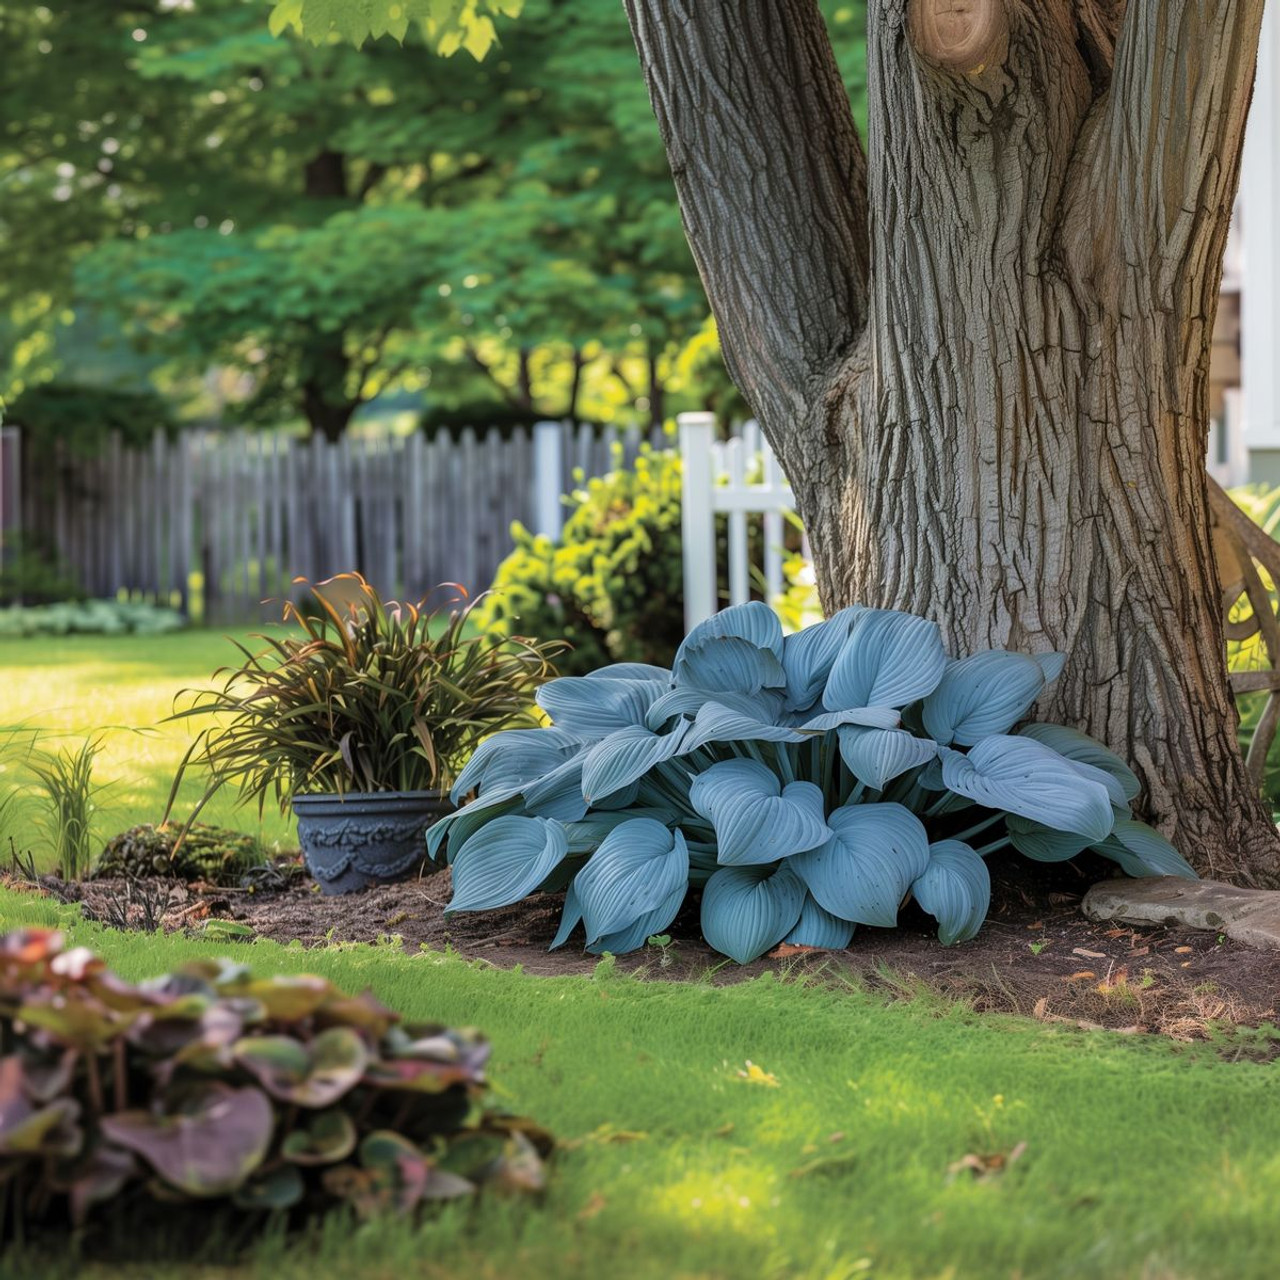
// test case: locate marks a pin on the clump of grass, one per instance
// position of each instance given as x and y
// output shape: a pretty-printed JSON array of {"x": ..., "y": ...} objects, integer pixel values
[{"x": 68, "y": 796}]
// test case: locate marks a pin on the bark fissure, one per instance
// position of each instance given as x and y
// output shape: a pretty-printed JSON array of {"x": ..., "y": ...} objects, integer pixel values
[{"x": 1006, "y": 431}]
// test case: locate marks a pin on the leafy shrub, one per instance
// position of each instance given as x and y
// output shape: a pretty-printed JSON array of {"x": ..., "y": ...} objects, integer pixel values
[
  {"x": 30, "y": 575},
  {"x": 805, "y": 785},
  {"x": 382, "y": 698},
  {"x": 208, "y": 1086},
  {"x": 84, "y": 417},
  {"x": 92, "y": 617},
  {"x": 214, "y": 854},
  {"x": 611, "y": 585}
]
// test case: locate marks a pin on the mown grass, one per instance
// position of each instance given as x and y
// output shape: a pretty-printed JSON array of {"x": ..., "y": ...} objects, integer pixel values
[
  {"x": 1144, "y": 1159},
  {"x": 121, "y": 688}
]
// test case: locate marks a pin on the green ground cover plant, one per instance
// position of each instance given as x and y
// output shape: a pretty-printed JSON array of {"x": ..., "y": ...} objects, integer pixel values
[{"x": 839, "y": 1153}]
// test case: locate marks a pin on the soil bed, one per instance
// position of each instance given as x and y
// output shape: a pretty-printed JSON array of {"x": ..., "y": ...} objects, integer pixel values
[{"x": 1036, "y": 955}]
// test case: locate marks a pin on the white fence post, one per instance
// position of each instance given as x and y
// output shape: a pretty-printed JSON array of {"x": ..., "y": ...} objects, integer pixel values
[
  {"x": 697, "y": 517},
  {"x": 548, "y": 479}
]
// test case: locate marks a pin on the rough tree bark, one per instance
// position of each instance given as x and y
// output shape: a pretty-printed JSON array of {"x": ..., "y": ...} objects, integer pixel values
[{"x": 981, "y": 354}]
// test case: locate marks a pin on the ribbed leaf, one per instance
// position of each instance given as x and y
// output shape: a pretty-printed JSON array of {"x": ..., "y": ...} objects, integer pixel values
[
  {"x": 688, "y": 700},
  {"x": 982, "y": 694},
  {"x": 1079, "y": 746},
  {"x": 559, "y": 794},
  {"x": 808, "y": 655},
  {"x": 817, "y": 927},
  {"x": 738, "y": 649},
  {"x": 1025, "y": 777},
  {"x": 1043, "y": 844},
  {"x": 877, "y": 756},
  {"x": 756, "y": 819},
  {"x": 636, "y": 868},
  {"x": 864, "y": 871},
  {"x": 570, "y": 918},
  {"x": 638, "y": 933},
  {"x": 1051, "y": 664},
  {"x": 889, "y": 660},
  {"x": 867, "y": 717},
  {"x": 505, "y": 861},
  {"x": 631, "y": 671},
  {"x": 718, "y": 723},
  {"x": 585, "y": 835},
  {"x": 625, "y": 756},
  {"x": 458, "y": 827},
  {"x": 955, "y": 889},
  {"x": 748, "y": 910},
  {"x": 1142, "y": 851},
  {"x": 513, "y": 758},
  {"x": 592, "y": 708}
]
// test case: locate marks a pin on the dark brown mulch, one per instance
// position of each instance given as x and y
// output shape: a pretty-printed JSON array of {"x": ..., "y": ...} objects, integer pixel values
[{"x": 1037, "y": 954}]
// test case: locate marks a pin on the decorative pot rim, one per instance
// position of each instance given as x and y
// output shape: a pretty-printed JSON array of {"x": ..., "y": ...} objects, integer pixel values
[{"x": 326, "y": 803}]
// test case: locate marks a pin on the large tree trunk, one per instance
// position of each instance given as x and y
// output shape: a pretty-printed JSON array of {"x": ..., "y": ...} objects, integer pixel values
[{"x": 982, "y": 356}]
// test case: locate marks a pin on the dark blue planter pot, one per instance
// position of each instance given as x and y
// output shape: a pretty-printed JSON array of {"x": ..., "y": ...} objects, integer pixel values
[{"x": 365, "y": 837}]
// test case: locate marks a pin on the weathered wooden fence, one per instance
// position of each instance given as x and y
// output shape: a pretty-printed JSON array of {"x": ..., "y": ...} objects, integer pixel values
[{"x": 219, "y": 523}]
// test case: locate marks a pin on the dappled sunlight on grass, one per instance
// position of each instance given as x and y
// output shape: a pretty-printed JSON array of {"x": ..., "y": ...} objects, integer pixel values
[{"x": 121, "y": 688}]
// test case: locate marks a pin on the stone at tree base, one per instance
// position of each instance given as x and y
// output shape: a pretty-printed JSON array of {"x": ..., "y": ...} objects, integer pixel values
[{"x": 1249, "y": 916}]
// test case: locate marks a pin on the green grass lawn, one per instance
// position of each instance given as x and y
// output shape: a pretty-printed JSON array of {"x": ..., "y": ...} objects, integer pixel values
[
  {"x": 1144, "y": 1159},
  {"x": 120, "y": 687}
]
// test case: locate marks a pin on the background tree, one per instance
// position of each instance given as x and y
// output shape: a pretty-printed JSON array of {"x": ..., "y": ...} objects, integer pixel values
[{"x": 981, "y": 348}]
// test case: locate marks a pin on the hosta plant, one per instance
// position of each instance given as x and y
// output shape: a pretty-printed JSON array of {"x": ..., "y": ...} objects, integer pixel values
[
  {"x": 803, "y": 785},
  {"x": 210, "y": 1086}
]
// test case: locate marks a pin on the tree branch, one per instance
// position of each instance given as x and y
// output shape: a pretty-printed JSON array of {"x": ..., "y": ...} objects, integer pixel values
[
  {"x": 772, "y": 183},
  {"x": 1166, "y": 153}
]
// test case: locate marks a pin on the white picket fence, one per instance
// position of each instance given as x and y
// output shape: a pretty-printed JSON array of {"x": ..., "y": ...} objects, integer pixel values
[{"x": 740, "y": 478}]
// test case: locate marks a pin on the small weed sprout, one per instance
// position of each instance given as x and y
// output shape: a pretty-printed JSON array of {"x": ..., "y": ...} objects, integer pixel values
[{"x": 663, "y": 944}]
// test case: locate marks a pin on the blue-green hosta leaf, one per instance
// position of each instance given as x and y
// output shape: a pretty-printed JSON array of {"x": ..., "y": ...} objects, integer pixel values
[
  {"x": 807, "y": 656},
  {"x": 640, "y": 931},
  {"x": 982, "y": 694},
  {"x": 592, "y": 708},
  {"x": 955, "y": 889},
  {"x": 1142, "y": 851},
  {"x": 867, "y": 717},
  {"x": 1025, "y": 777},
  {"x": 817, "y": 927},
  {"x": 625, "y": 756},
  {"x": 1079, "y": 746},
  {"x": 738, "y": 650},
  {"x": 624, "y": 798},
  {"x": 513, "y": 758},
  {"x": 746, "y": 911},
  {"x": 877, "y": 756},
  {"x": 458, "y": 827},
  {"x": 864, "y": 871},
  {"x": 889, "y": 660},
  {"x": 718, "y": 723},
  {"x": 1043, "y": 844},
  {"x": 569, "y": 919},
  {"x": 558, "y": 794},
  {"x": 1051, "y": 664},
  {"x": 631, "y": 671},
  {"x": 637, "y": 867},
  {"x": 688, "y": 700},
  {"x": 505, "y": 861},
  {"x": 585, "y": 835},
  {"x": 757, "y": 820}
]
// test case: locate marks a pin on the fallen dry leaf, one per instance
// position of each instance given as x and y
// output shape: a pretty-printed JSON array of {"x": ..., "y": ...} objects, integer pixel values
[
  {"x": 1088, "y": 955},
  {"x": 1140, "y": 951},
  {"x": 1038, "y": 924},
  {"x": 1183, "y": 951},
  {"x": 1117, "y": 933},
  {"x": 1081, "y": 976},
  {"x": 1041, "y": 1008},
  {"x": 786, "y": 949}
]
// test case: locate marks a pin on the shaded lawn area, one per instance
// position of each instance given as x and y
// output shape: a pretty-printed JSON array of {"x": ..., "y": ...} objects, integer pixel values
[
  {"x": 80, "y": 686},
  {"x": 1144, "y": 1158}
]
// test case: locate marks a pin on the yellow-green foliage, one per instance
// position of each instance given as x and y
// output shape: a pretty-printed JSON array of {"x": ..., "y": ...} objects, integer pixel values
[{"x": 612, "y": 584}]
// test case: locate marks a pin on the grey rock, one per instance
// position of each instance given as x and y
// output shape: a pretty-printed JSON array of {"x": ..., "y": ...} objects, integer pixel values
[{"x": 1249, "y": 916}]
